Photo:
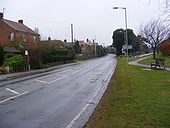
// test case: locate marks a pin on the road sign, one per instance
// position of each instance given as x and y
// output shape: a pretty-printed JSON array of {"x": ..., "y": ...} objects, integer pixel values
[
  {"x": 26, "y": 52},
  {"x": 127, "y": 46}
]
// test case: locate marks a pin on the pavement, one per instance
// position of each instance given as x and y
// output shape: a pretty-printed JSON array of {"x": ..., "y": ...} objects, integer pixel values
[
  {"x": 135, "y": 62},
  {"x": 10, "y": 76}
]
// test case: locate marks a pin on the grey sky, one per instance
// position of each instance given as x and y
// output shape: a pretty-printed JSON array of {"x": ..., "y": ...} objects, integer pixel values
[{"x": 91, "y": 18}]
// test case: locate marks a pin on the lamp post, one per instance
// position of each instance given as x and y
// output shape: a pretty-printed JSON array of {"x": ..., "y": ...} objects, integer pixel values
[{"x": 126, "y": 36}]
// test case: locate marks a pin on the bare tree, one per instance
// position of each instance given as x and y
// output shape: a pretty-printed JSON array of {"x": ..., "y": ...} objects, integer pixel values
[
  {"x": 165, "y": 9},
  {"x": 37, "y": 30},
  {"x": 164, "y": 6},
  {"x": 154, "y": 32}
]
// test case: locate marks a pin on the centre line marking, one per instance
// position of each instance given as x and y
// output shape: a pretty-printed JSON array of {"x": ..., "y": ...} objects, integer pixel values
[
  {"x": 13, "y": 91},
  {"x": 63, "y": 77},
  {"x": 58, "y": 79},
  {"x": 76, "y": 71},
  {"x": 13, "y": 97}
]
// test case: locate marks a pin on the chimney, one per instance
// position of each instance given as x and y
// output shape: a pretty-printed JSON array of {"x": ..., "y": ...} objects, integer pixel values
[
  {"x": 49, "y": 38},
  {"x": 1, "y": 15},
  {"x": 20, "y": 21},
  {"x": 65, "y": 41}
]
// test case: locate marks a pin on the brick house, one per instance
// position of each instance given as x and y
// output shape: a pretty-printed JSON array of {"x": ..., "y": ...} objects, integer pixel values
[{"x": 16, "y": 32}]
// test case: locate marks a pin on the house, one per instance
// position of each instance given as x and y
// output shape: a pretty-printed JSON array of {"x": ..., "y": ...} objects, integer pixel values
[{"x": 16, "y": 33}]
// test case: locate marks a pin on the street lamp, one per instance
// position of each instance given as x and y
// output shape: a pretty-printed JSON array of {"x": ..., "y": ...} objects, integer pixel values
[{"x": 126, "y": 36}]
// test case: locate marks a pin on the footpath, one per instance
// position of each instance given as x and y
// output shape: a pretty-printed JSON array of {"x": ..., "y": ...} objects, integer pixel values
[
  {"x": 135, "y": 62},
  {"x": 10, "y": 76}
]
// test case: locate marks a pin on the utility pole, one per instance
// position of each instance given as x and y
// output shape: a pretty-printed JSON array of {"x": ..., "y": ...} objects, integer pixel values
[
  {"x": 72, "y": 34},
  {"x": 94, "y": 48},
  {"x": 3, "y": 10}
]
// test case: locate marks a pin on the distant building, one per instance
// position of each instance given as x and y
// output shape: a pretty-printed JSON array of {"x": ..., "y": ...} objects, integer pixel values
[{"x": 16, "y": 32}]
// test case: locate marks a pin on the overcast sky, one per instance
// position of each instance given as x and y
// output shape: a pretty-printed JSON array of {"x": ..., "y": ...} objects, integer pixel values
[{"x": 92, "y": 19}]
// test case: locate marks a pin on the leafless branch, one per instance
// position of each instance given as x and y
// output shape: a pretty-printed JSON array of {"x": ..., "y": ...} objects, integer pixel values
[{"x": 155, "y": 32}]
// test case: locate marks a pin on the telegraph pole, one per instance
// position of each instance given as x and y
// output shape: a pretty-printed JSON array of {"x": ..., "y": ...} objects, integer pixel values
[
  {"x": 72, "y": 34},
  {"x": 94, "y": 47},
  {"x": 3, "y": 10}
]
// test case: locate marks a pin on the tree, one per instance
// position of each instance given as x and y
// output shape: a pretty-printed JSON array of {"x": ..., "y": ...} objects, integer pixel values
[
  {"x": 118, "y": 40},
  {"x": 154, "y": 32},
  {"x": 77, "y": 47},
  {"x": 133, "y": 40},
  {"x": 143, "y": 47},
  {"x": 164, "y": 8}
]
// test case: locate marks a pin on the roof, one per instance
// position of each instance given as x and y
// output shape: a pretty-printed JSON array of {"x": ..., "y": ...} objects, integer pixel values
[
  {"x": 19, "y": 27},
  {"x": 11, "y": 49},
  {"x": 57, "y": 42},
  {"x": 90, "y": 43}
]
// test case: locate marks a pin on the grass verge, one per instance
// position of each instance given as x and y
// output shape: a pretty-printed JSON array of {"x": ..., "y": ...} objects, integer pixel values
[
  {"x": 135, "y": 98},
  {"x": 150, "y": 59}
]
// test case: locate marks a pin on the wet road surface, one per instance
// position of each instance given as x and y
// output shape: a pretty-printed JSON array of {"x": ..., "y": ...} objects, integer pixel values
[{"x": 62, "y": 98}]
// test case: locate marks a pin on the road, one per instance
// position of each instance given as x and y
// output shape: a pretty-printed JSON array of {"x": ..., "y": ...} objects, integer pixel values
[{"x": 61, "y": 98}]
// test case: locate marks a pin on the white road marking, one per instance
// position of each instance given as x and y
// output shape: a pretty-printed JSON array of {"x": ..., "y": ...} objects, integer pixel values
[
  {"x": 13, "y": 97},
  {"x": 70, "y": 125},
  {"x": 13, "y": 91},
  {"x": 77, "y": 116},
  {"x": 63, "y": 77},
  {"x": 58, "y": 74},
  {"x": 76, "y": 72},
  {"x": 64, "y": 71},
  {"x": 42, "y": 81},
  {"x": 58, "y": 79}
]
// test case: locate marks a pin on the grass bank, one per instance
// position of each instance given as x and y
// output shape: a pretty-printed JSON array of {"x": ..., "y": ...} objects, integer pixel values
[
  {"x": 135, "y": 98},
  {"x": 160, "y": 56}
]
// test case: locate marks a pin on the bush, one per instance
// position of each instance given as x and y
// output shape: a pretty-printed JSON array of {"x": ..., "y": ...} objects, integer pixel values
[
  {"x": 55, "y": 54},
  {"x": 8, "y": 55},
  {"x": 165, "y": 47},
  {"x": 1, "y": 56},
  {"x": 15, "y": 62}
]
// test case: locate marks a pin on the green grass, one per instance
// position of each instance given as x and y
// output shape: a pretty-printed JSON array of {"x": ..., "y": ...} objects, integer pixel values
[
  {"x": 160, "y": 56},
  {"x": 135, "y": 98}
]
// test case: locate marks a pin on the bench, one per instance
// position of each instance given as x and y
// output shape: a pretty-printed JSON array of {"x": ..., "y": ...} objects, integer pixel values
[{"x": 158, "y": 63}]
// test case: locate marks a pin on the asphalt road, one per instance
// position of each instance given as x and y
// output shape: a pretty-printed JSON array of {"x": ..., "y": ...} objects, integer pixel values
[{"x": 61, "y": 98}]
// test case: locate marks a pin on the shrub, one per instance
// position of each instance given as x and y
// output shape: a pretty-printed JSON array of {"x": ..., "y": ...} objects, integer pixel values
[
  {"x": 55, "y": 54},
  {"x": 8, "y": 55},
  {"x": 165, "y": 47},
  {"x": 15, "y": 62},
  {"x": 36, "y": 51}
]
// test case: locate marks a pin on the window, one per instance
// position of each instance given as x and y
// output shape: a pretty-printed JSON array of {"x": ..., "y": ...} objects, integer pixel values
[
  {"x": 24, "y": 38},
  {"x": 11, "y": 36},
  {"x": 34, "y": 39}
]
